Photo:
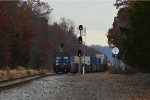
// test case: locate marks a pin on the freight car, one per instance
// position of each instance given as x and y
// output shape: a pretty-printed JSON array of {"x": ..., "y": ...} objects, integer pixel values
[{"x": 66, "y": 63}]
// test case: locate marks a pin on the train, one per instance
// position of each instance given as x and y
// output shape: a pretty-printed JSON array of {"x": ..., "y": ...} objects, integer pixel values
[{"x": 64, "y": 63}]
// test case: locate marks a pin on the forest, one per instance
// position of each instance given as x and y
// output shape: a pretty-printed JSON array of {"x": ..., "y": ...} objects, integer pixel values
[
  {"x": 130, "y": 33},
  {"x": 30, "y": 38}
]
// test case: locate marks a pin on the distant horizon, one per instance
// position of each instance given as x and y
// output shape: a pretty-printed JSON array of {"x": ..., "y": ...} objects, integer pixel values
[{"x": 98, "y": 45}]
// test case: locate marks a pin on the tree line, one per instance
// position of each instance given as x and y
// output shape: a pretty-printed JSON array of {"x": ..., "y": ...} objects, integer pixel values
[
  {"x": 28, "y": 39},
  {"x": 130, "y": 33}
]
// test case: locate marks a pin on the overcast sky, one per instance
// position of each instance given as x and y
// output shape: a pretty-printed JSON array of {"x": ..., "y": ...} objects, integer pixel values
[{"x": 96, "y": 15}]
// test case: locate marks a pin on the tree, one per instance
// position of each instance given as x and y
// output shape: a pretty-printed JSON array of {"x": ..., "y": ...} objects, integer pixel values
[
  {"x": 133, "y": 34},
  {"x": 7, "y": 25},
  {"x": 26, "y": 37},
  {"x": 21, "y": 23},
  {"x": 137, "y": 40}
]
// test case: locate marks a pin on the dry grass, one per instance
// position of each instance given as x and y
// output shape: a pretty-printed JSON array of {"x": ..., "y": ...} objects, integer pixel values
[
  {"x": 21, "y": 72},
  {"x": 48, "y": 70},
  {"x": 32, "y": 72},
  {"x": 3, "y": 74},
  {"x": 16, "y": 73},
  {"x": 128, "y": 70}
]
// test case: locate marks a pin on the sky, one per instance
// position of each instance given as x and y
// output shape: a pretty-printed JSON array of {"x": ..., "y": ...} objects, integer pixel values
[{"x": 96, "y": 15}]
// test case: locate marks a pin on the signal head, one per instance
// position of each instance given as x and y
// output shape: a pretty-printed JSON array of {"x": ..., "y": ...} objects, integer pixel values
[{"x": 80, "y": 27}]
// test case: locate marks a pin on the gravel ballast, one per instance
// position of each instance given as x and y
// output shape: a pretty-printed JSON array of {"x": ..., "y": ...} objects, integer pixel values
[{"x": 92, "y": 86}]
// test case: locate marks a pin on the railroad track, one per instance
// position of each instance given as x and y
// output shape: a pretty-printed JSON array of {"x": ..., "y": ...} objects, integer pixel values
[{"x": 8, "y": 84}]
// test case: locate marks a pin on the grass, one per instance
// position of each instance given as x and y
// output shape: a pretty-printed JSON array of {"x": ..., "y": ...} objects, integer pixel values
[{"x": 17, "y": 73}]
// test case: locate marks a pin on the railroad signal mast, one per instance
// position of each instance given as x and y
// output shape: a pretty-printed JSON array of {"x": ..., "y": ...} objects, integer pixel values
[{"x": 80, "y": 47}]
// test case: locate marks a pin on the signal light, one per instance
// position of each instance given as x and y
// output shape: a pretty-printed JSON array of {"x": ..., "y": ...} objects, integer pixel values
[
  {"x": 61, "y": 45},
  {"x": 80, "y": 40},
  {"x": 79, "y": 53},
  {"x": 80, "y": 27}
]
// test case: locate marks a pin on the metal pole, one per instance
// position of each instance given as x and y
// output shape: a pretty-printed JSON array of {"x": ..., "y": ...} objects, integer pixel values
[
  {"x": 84, "y": 53},
  {"x": 84, "y": 62},
  {"x": 80, "y": 57},
  {"x": 115, "y": 61},
  {"x": 79, "y": 64}
]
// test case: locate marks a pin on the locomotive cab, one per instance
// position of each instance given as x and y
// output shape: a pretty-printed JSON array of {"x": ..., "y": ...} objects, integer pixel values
[{"x": 62, "y": 63}]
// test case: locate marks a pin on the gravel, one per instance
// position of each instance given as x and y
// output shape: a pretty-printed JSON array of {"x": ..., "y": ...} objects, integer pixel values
[{"x": 93, "y": 86}]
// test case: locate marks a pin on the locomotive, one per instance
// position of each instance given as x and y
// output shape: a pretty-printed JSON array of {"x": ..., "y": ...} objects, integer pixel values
[{"x": 64, "y": 63}]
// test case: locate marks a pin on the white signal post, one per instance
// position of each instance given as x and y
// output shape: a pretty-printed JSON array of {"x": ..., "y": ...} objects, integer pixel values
[
  {"x": 84, "y": 50},
  {"x": 115, "y": 51}
]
